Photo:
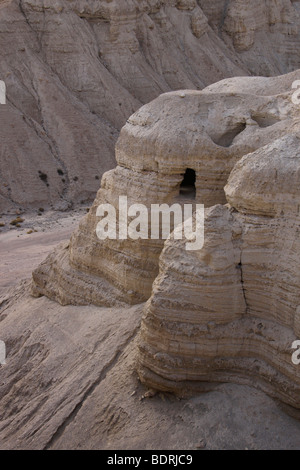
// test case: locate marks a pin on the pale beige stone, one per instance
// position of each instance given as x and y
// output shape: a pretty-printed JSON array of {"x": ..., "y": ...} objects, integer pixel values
[
  {"x": 206, "y": 131},
  {"x": 230, "y": 312}
]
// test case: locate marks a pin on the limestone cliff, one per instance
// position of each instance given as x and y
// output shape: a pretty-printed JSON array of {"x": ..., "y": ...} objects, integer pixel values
[
  {"x": 230, "y": 312},
  {"x": 207, "y": 131}
]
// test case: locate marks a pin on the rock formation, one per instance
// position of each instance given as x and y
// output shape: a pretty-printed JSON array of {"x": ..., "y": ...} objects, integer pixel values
[
  {"x": 207, "y": 131},
  {"x": 70, "y": 383},
  {"x": 230, "y": 312},
  {"x": 75, "y": 70}
]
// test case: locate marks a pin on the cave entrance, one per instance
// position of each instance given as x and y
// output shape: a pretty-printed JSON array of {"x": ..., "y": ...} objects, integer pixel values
[{"x": 188, "y": 184}]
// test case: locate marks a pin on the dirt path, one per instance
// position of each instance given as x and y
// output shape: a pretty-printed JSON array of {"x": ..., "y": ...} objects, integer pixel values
[{"x": 21, "y": 253}]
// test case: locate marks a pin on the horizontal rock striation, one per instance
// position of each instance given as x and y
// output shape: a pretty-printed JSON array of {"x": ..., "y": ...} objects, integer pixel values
[
  {"x": 230, "y": 312},
  {"x": 206, "y": 131}
]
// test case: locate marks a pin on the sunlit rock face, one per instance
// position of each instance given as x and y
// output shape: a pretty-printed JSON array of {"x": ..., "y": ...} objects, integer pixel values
[
  {"x": 206, "y": 132},
  {"x": 231, "y": 311},
  {"x": 227, "y": 312}
]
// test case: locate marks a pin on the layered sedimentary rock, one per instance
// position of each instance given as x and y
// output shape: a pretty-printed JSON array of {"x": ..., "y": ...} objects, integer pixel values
[
  {"x": 69, "y": 383},
  {"x": 75, "y": 70},
  {"x": 255, "y": 27},
  {"x": 230, "y": 312},
  {"x": 205, "y": 131}
]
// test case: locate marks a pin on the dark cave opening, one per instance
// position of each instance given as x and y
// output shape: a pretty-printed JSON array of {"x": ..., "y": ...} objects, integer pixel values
[{"x": 188, "y": 184}]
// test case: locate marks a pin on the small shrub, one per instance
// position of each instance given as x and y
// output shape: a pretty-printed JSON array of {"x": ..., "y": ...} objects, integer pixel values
[
  {"x": 16, "y": 222},
  {"x": 43, "y": 177}
]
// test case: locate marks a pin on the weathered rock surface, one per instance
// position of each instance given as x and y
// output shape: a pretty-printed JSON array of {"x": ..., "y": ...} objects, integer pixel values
[
  {"x": 70, "y": 379},
  {"x": 56, "y": 357},
  {"x": 207, "y": 131},
  {"x": 70, "y": 382},
  {"x": 75, "y": 70},
  {"x": 230, "y": 312}
]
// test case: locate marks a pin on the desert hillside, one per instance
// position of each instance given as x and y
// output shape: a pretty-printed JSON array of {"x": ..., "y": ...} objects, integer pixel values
[
  {"x": 76, "y": 70},
  {"x": 136, "y": 342},
  {"x": 206, "y": 362}
]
